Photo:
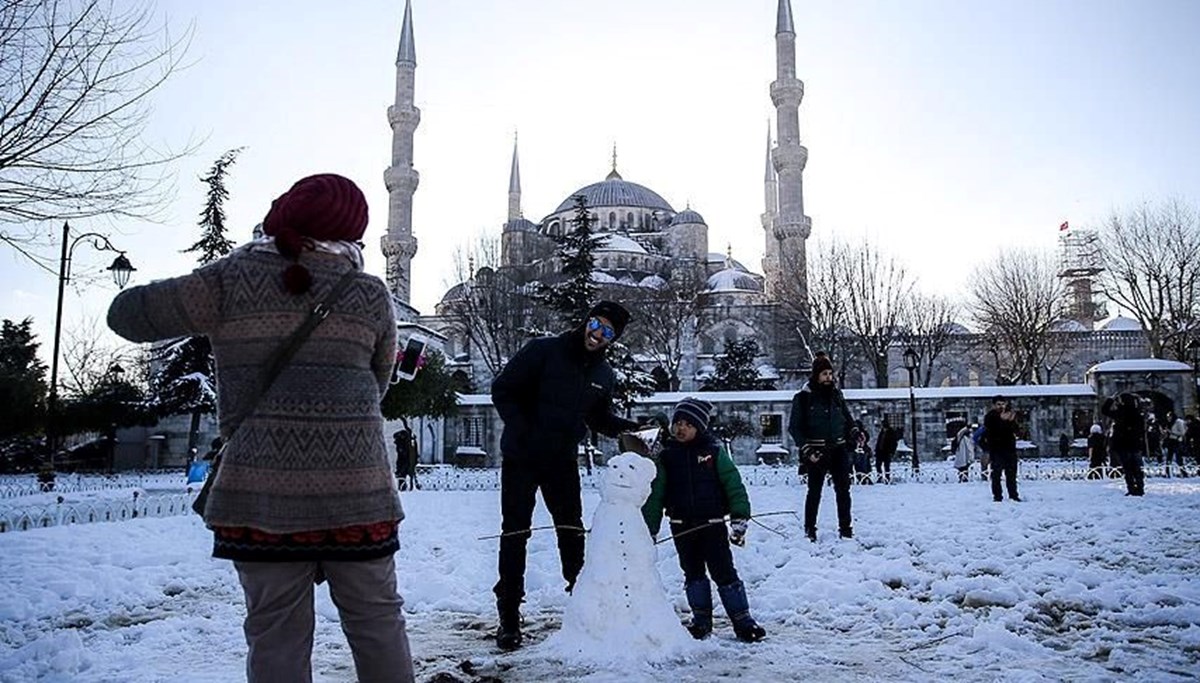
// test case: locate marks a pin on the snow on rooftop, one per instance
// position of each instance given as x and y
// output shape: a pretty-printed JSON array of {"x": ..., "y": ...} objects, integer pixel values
[{"x": 1139, "y": 365}]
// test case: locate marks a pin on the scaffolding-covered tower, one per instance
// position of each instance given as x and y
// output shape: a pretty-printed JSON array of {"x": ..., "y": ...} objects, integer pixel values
[{"x": 1079, "y": 264}]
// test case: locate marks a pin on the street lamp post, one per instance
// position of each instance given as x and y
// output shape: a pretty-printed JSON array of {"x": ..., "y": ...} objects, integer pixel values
[
  {"x": 121, "y": 269},
  {"x": 911, "y": 361},
  {"x": 1193, "y": 349}
]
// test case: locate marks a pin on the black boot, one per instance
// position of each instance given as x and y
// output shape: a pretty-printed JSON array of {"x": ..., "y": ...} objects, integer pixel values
[
  {"x": 733, "y": 597},
  {"x": 846, "y": 532},
  {"x": 811, "y": 532},
  {"x": 508, "y": 636},
  {"x": 699, "y": 597}
]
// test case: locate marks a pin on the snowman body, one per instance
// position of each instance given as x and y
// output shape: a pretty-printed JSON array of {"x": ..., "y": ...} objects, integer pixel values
[{"x": 618, "y": 609}]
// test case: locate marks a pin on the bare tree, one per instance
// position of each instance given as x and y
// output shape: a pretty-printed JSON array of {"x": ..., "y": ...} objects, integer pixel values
[
  {"x": 76, "y": 80},
  {"x": 877, "y": 295},
  {"x": 667, "y": 319},
  {"x": 491, "y": 311},
  {"x": 817, "y": 315},
  {"x": 1152, "y": 269},
  {"x": 1015, "y": 299},
  {"x": 90, "y": 361},
  {"x": 929, "y": 325}
]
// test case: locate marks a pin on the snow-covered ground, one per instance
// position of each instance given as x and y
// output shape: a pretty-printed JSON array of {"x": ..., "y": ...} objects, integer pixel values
[{"x": 1078, "y": 582}]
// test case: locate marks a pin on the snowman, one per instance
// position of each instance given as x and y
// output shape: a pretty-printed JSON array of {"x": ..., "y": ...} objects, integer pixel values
[{"x": 618, "y": 609}]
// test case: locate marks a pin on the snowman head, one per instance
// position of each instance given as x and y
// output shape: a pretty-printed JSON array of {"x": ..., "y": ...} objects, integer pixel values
[{"x": 627, "y": 479}]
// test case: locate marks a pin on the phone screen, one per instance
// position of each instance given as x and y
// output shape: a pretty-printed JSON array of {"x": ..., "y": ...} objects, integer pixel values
[{"x": 410, "y": 358}]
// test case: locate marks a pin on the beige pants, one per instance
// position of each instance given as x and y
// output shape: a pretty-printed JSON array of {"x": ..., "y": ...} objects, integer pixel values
[{"x": 280, "y": 620}]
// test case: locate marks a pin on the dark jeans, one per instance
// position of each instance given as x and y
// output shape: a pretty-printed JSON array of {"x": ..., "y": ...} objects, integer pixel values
[
  {"x": 1005, "y": 463},
  {"x": 883, "y": 463},
  {"x": 705, "y": 547},
  {"x": 558, "y": 478},
  {"x": 1135, "y": 477},
  {"x": 837, "y": 464}
]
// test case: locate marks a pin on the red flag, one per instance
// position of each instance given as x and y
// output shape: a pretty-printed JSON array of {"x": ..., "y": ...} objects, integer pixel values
[{"x": 1062, "y": 227}]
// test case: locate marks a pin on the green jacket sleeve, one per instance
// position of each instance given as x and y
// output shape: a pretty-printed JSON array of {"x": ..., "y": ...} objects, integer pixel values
[
  {"x": 652, "y": 510},
  {"x": 731, "y": 482}
]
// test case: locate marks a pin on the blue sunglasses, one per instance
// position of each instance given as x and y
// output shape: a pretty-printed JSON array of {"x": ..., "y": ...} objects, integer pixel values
[{"x": 606, "y": 331}]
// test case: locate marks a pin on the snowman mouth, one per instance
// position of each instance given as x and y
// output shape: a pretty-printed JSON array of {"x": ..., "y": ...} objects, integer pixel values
[{"x": 623, "y": 486}]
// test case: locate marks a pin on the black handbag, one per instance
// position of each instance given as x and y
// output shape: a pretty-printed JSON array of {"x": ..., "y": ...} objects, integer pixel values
[{"x": 283, "y": 355}]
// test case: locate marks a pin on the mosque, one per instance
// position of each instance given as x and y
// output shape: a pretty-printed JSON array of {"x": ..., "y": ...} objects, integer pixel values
[{"x": 645, "y": 241}]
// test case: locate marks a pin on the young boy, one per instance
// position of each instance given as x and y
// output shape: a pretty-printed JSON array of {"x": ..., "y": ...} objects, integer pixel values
[{"x": 698, "y": 484}]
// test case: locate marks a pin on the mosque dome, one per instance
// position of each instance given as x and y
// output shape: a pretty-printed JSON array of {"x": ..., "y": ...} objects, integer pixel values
[
  {"x": 687, "y": 216},
  {"x": 520, "y": 225},
  {"x": 611, "y": 241},
  {"x": 732, "y": 279},
  {"x": 616, "y": 191},
  {"x": 455, "y": 293},
  {"x": 1121, "y": 324},
  {"x": 1068, "y": 325}
]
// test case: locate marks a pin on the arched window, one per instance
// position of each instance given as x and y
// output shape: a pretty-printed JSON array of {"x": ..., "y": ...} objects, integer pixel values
[
  {"x": 612, "y": 220},
  {"x": 604, "y": 263},
  {"x": 629, "y": 219}
]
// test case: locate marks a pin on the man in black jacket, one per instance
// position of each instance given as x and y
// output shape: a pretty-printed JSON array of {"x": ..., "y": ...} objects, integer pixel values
[
  {"x": 548, "y": 395},
  {"x": 1128, "y": 440},
  {"x": 821, "y": 426},
  {"x": 1000, "y": 431}
]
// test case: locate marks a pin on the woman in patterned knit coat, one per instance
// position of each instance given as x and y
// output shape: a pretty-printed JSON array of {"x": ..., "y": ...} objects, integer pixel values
[{"x": 304, "y": 492}]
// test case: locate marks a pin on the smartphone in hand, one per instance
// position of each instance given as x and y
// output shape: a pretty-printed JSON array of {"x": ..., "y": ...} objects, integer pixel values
[{"x": 408, "y": 362}]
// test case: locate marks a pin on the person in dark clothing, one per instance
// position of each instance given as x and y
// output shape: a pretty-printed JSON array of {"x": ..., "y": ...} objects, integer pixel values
[
  {"x": 548, "y": 395},
  {"x": 698, "y": 484},
  {"x": 1064, "y": 446},
  {"x": 1128, "y": 439},
  {"x": 885, "y": 450},
  {"x": 1000, "y": 430},
  {"x": 406, "y": 459},
  {"x": 821, "y": 426},
  {"x": 1191, "y": 438},
  {"x": 862, "y": 454},
  {"x": 1097, "y": 450}
]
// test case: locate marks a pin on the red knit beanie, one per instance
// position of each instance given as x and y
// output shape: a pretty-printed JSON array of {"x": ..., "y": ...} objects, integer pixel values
[{"x": 320, "y": 207}]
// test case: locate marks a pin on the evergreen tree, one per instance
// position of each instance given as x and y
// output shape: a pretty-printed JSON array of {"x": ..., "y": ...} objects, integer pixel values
[
  {"x": 573, "y": 296},
  {"x": 213, "y": 244},
  {"x": 22, "y": 380},
  {"x": 185, "y": 381},
  {"x": 433, "y": 392},
  {"x": 632, "y": 381},
  {"x": 736, "y": 369}
]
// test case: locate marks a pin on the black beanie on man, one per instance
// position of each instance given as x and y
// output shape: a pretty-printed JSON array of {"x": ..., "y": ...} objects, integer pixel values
[
  {"x": 614, "y": 312},
  {"x": 694, "y": 411},
  {"x": 819, "y": 364}
]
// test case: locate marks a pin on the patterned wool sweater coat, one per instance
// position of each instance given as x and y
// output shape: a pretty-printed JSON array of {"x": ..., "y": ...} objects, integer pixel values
[{"x": 312, "y": 455}]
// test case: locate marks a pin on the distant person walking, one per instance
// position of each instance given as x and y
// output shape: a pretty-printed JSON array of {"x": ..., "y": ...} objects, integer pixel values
[
  {"x": 1097, "y": 452},
  {"x": 885, "y": 450},
  {"x": 964, "y": 451},
  {"x": 406, "y": 459},
  {"x": 1128, "y": 438},
  {"x": 304, "y": 492},
  {"x": 1000, "y": 433}
]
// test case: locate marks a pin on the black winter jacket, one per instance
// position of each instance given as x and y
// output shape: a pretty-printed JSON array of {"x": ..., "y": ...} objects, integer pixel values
[
  {"x": 819, "y": 415},
  {"x": 549, "y": 393}
]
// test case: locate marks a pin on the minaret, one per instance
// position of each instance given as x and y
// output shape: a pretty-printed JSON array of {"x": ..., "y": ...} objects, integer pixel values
[
  {"x": 791, "y": 226},
  {"x": 770, "y": 212},
  {"x": 401, "y": 178},
  {"x": 514, "y": 185}
]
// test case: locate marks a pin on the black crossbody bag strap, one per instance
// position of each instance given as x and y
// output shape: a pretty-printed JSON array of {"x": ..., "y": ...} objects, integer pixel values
[{"x": 282, "y": 356}]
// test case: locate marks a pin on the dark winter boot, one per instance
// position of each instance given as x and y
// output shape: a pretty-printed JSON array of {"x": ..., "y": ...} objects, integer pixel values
[
  {"x": 508, "y": 636},
  {"x": 733, "y": 597},
  {"x": 811, "y": 532},
  {"x": 699, "y": 597},
  {"x": 846, "y": 532}
]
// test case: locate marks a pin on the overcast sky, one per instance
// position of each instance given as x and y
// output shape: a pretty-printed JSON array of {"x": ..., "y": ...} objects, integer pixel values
[{"x": 943, "y": 130}]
